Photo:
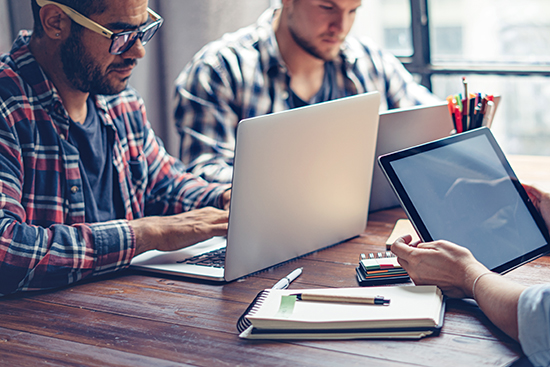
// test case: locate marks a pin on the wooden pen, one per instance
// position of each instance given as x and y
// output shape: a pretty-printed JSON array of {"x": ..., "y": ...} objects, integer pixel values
[{"x": 378, "y": 300}]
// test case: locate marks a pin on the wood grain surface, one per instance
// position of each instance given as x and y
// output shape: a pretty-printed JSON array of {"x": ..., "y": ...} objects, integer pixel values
[{"x": 141, "y": 319}]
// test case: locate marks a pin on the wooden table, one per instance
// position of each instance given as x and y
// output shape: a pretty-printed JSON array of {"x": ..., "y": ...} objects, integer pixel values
[{"x": 136, "y": 319}]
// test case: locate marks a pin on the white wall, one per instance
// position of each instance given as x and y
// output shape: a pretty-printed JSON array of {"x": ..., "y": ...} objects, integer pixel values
[{"x": 5, "y": 33}]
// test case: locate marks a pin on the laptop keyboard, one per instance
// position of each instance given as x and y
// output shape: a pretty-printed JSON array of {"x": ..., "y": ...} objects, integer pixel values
[{"x": 213, "y": 259}]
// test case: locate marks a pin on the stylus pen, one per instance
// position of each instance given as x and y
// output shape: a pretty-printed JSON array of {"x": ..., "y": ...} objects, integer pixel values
[
  {"x": 285, "y": 282},
  {"x": 378, "y": 300}
]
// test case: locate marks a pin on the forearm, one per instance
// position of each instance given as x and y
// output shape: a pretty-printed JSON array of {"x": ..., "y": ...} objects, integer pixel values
[{"x": 498, "y": 298}]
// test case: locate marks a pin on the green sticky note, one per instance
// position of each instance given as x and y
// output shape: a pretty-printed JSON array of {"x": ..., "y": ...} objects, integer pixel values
[{"x": 287, "y": 306}]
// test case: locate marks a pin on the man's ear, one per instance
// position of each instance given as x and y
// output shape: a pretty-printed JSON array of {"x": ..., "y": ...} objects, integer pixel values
[{"x": 56, "y": 24}]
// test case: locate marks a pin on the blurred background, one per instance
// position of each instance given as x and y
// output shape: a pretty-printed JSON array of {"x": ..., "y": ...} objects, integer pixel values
[{"x": 501, "y": 46}]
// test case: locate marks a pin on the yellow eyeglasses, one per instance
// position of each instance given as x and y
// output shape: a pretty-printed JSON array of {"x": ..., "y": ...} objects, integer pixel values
[{"x": 120, "y": 42}]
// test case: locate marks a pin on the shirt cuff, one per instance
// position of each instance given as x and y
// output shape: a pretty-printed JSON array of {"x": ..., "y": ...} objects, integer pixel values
[
  {"x": 114, "y": 245},
  {"x": 219, "y": 198}
]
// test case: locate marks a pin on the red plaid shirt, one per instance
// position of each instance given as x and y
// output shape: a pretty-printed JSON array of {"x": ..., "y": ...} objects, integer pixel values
[{"x": 44, "y": 241}]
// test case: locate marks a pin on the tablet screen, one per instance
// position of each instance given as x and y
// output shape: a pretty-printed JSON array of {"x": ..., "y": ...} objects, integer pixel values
[{"x": 462, "y": 189}]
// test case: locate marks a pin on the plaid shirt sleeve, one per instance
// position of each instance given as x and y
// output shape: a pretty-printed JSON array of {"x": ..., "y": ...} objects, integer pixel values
[
  {"x": 206, "y": 115},
  {"x": 401, "y": 89},
  {"x": 44, "y": 256},
  {"x": 170, "y": 189}
]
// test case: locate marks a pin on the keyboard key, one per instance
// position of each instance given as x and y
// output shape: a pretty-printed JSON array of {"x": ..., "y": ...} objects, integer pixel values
[{"x": 215, "y": 259}]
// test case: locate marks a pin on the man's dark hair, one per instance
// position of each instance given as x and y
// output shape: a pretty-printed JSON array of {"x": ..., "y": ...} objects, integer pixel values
[{"x": 84, "y": 7}]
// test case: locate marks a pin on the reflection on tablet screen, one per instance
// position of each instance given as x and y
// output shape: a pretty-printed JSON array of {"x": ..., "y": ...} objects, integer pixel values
[{"x": 463, "y": 194}]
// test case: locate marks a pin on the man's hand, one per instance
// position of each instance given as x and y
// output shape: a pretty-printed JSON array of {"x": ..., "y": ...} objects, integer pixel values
[
  {"x": 178, "y": 231},
  {"x": 451, "y": 267}
]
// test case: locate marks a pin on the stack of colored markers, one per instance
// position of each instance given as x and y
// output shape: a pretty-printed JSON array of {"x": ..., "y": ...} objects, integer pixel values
[{"x": 469, "y": 113}]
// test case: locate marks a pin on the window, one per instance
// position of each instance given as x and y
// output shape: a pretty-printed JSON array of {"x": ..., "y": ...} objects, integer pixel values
[
  {"x": 447, "y": 42},
  {"x": 398, "y": 40},
  {"x": 388, "y": 23},
  {"x": 501, "y": 46},
  {"x": 397, "y": 27}
]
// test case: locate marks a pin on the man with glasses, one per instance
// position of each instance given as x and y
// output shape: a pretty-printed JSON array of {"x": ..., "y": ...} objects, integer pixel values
[
  {"x": 293, "y": 56},
  {"x": 85, "y": 185}
]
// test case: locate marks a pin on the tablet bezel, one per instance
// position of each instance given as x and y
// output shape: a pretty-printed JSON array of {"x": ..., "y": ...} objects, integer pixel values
[{"x": 385, "y": 164}]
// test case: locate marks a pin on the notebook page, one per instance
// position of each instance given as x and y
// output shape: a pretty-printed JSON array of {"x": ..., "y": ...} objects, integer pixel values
[{"x": 411, "y": 306}]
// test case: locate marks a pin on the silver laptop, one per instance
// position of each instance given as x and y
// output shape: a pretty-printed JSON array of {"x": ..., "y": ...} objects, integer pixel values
[
  {"x": 403, "y": 128},
  {"x": 301, "y": 182}
]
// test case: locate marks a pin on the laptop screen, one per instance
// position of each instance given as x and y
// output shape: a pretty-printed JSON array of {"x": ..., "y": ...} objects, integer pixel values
[{"x": 463, "y": 190}]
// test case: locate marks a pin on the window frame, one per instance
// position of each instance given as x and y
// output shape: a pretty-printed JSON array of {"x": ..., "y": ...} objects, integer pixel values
[{"x": 419, "y": 62}]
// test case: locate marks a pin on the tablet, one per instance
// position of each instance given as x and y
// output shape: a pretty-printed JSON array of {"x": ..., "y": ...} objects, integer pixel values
[{"x": 462, "y": 189}]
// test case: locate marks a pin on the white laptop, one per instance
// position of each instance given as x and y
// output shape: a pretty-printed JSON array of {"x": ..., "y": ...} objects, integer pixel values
[
  {"x": 301, "y": 182},
  {"x": 403, "y": 128}
]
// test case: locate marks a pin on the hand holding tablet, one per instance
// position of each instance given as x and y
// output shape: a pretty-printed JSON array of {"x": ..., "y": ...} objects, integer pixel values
[{"x": 463, "y": 190}]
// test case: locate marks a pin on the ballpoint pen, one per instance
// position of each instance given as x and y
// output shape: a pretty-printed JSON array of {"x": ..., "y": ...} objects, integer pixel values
[
  {"x": 285, "y": 282},
  {"x": 378, "y": 300}
]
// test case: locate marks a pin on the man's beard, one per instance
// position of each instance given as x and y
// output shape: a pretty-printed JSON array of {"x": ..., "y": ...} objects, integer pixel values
[
  {"x": 83, "y": 73},
  {"x": 308, "y": 47}
]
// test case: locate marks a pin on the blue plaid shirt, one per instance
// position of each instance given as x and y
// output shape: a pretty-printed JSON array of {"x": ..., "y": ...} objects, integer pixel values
[
  {"x": 243, "y": 75},
  {"x": 44, "y": 240}
]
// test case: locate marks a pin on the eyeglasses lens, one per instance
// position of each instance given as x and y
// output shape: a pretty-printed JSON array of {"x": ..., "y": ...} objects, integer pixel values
[
  {"x": 122, "y": 43},
  {"x": 149, "y": 33}
]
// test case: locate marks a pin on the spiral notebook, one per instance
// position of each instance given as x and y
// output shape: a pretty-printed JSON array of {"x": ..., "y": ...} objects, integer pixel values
[{"x": 413, "y": 312}]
